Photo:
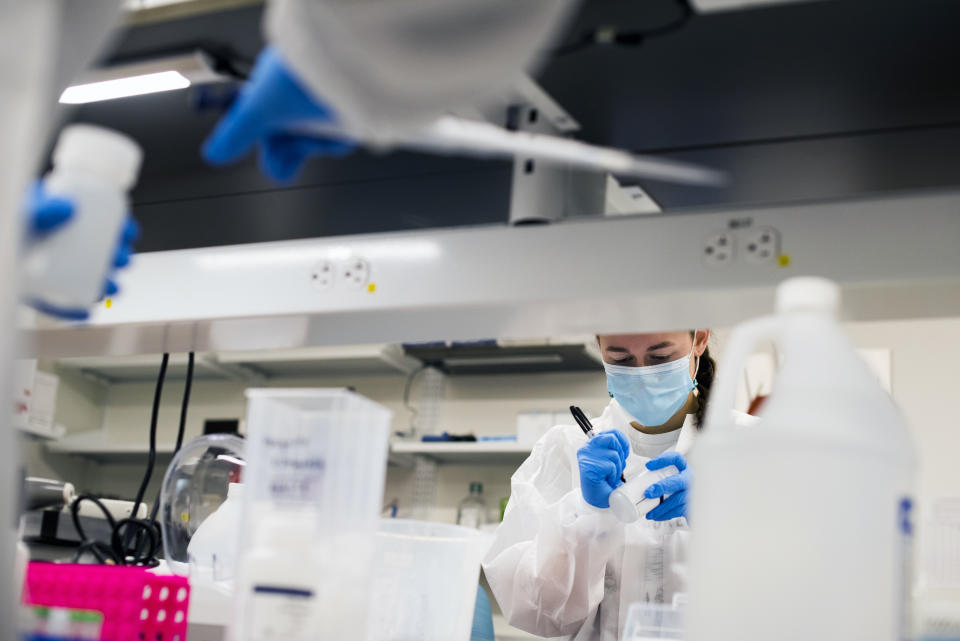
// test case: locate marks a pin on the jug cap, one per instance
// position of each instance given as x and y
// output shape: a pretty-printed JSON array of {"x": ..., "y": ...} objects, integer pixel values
[{"x": 808, "y": 294}]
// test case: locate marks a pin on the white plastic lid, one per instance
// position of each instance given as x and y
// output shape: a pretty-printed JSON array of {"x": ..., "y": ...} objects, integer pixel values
[
  {"x": 623, "y": 508},
  {"x": 808, "y": 294},
  {"x": 104, "y": 152}
]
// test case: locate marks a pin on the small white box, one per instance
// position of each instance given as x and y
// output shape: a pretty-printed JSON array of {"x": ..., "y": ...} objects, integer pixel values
[
  {"x": 44, "y": 402},
  {"x": 35, "y": 400},
  {"x": 24, "y": 372},
  {"x": 533, "y": 425}
]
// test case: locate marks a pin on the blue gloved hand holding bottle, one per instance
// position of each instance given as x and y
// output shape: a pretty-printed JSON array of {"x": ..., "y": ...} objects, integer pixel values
[
  {"x": 46, "y": 214},
  {"x": 601, "y": 462},
  {"x": 672, "y": 490}
]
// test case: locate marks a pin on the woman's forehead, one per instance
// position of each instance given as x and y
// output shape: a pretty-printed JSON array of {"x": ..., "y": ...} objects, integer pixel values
[{"x": 638, "y": 343}]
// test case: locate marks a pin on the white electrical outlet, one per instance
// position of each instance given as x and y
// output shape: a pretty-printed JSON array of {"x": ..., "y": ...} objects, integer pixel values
[
  {"x": 322, "y": 275},
  {"x": 719, "y": 249},
  {"x": 355, "y": 272},
  {"x": 760, "y": 245}
]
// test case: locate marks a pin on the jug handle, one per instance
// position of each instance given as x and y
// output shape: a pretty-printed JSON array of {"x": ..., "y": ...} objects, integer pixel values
[{"x": 743, "y": 340}]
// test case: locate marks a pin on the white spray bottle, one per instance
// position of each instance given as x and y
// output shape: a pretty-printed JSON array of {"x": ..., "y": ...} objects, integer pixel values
[{"x": 801, "y": 521}]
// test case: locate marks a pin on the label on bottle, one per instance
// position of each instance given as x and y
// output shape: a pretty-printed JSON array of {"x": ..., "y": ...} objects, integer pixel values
[
  {"x": 279, "y": 612},
  {"x": 905, "y": 565}
]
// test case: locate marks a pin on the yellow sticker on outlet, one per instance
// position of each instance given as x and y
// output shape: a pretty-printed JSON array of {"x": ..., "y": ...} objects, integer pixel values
[
  {"x": 783, "y": 260},
  {"x": 372, "y": 287}
]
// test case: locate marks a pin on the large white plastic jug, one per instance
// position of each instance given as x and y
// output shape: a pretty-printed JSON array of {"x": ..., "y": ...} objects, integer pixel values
[{"x": 801, "y": 522}]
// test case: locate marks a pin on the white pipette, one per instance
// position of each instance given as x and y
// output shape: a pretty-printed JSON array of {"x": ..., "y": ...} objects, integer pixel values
[{"x": 454, "y": 135}]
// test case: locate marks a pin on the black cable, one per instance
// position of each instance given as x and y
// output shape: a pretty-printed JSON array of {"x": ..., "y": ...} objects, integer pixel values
[
  {"x": 181, "y": 430},
  {"x": 185, "y": 404},
  {"x": 152, "y": 453},
  {"x": 605, "y": 36},
  {"x": 101, "y": 552},
  {"x": 146, "y": 557},
  {"x": 115, "y": 552}
]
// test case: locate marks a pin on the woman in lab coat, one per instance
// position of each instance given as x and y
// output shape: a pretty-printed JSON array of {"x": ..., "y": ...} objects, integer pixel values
[{"x": 561, "y": 563}]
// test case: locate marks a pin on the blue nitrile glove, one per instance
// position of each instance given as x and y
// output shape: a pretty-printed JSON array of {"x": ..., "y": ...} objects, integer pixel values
[
  {"x": 601, "y": 464},
  {"x": 45, "y": 214},
  {"x": 674, "y": 488},
  {"x": 272, "y": 100}
]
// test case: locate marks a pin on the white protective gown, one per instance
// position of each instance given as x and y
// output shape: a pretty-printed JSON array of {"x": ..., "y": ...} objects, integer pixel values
[
  {"x": 559, "y": 567},
  {"x": 385, "y": 66}
]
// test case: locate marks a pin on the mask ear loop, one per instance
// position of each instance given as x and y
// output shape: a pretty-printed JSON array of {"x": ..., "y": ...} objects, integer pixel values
[{"x": 696, "y": 363}]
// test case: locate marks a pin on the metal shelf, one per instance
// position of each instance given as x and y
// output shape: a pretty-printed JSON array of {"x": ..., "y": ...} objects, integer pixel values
[
  {"x": 251, "y": 366},
  {"x": 481, "y": 452},
  {"x": 99, "y": 446}
]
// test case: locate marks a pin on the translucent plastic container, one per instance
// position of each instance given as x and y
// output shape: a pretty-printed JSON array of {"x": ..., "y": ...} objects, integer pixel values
[
  {"x": 653, "y": 621},
  {"x": 801, "y": 522},
  {"x": 425, "y": 581},
  {"x": 628, "y": 502},
  {"x": 316, "y": 460},
  {"x": 94, "y": 167}
]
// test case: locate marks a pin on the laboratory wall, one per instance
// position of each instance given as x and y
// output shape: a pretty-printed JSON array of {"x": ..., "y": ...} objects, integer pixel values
[
  {"x": 482, "y": 405},
  {"x": 925, "y": 362}
]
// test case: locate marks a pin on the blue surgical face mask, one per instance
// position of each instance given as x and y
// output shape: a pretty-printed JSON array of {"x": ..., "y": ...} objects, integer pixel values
[{"x": 654, "y": 393}]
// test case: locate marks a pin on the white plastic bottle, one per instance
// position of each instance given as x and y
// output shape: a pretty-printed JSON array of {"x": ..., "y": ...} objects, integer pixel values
[
  {"x": 213, "y": 547},
  {"x": 628, "y": 502},
  {"x": 279, "y": 582},
  {"x": 472, "y": 510},
  {"x": 94, "y": 167},
  {"x": 801, "y": 522}
]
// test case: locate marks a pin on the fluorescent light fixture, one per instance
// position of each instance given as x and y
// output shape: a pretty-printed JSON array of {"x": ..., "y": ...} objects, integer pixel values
[
  {"x": 485, "y": 361},
  {"x": 124, "y": 87},
  {"x": 143, "y": 77}
]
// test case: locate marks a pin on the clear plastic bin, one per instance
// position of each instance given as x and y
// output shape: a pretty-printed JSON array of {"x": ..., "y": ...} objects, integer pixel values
[
  {"x": 316, "y": 460},
  {"x": 425, "y": 581},
  {"x": 321, "y": 448}
]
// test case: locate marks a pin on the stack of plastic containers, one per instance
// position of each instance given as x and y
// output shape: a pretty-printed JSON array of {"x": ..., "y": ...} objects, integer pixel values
[{"x": 316, "y": 460}]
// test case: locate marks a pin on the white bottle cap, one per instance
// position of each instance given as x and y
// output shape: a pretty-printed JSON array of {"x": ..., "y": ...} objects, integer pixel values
[
  {"x": 104, "y": 152},
  {"x": 808, "y": 294}
]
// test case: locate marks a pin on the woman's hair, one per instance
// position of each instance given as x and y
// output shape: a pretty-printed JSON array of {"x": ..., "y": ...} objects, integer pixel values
[{"x": 705, "y": 374}]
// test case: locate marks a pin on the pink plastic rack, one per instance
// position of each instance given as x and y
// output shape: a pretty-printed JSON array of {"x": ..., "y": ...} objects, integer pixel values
[{"x": 136, "y": 604}]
